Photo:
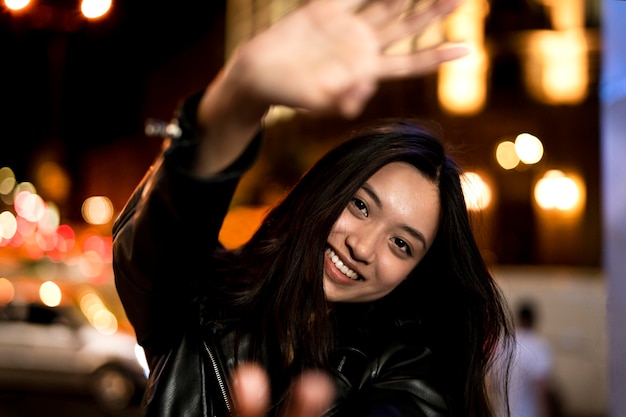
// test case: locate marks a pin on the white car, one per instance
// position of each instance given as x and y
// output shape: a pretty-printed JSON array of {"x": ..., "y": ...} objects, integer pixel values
[{"x": 59, "y": 347}]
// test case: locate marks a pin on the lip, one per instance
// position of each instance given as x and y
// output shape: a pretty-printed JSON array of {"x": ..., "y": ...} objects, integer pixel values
[{"x": 335, "y": 274}]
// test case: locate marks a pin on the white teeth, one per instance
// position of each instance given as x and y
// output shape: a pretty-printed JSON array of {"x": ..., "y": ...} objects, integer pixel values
[{"x": 340, "y": 265}]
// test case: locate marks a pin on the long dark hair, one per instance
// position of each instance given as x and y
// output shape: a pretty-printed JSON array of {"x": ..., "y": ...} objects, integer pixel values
[{"x": 275, "y": 280}]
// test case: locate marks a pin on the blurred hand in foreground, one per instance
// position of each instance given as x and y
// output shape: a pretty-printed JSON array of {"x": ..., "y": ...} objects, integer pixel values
[
  {"x": 327, "y": 56},
  {"x": 310, "y": 395}
]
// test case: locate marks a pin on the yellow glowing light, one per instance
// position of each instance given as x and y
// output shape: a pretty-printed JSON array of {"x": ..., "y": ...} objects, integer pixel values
[
  {"x": 529, "y": 148},
  {"x": 24, "y": 186},
  {"x": 16, "y": 4},
  {"x": 105, "y": 322},
  {"x": 93, "y": 9},
  {"x": 565, "y": 75},
  {"x": 506, "y": 155},
  {"x": 7, "y": 291},
  {"x": 53, "y": 181},
  {"x": 50, "y": 294},
  {"x": 8, "y": 225},
  {"x": 97, "y": 210},
  {"x": 98, "y": 315},
  {"x": 557, "y": 191},
  {"x": 7, "y": 181},
  {"x": 89, "y": 304},
  {"x": 566, "y": 14},
  {"x": 557, "y": 66},
  {"x": 462, "y": 84},
  {"x": 476, "y": 191}
]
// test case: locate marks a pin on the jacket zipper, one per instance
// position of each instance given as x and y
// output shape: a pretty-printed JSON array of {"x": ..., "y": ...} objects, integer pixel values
[{"x": 218, "y": 376}]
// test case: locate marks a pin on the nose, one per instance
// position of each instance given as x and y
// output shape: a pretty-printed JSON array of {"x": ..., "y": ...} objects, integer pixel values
[{"x": 362, "y": 245}]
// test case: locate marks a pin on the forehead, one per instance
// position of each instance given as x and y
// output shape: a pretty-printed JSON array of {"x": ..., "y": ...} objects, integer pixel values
[
  {"x": 406, "y": 196},
  {"x": 404, "y": 176}
]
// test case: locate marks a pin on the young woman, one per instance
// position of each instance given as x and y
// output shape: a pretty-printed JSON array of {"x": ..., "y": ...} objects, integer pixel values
[{"x": 367, "y": 270}]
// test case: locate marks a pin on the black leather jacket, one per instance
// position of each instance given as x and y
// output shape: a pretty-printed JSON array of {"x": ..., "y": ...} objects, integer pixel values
[{"x": 163, "y": 241}]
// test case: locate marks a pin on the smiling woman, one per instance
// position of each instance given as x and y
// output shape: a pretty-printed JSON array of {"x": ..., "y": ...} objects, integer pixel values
[
  {"x": 367, "y": 269},
  {"x": 381, "y": 235},
  {"x": 384, "y": 245}
]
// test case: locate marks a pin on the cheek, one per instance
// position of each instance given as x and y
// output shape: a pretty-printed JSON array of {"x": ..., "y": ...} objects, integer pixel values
[{"x": 393, "y": 271}]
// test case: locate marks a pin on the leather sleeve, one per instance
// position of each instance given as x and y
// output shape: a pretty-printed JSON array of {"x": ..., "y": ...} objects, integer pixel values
[
  {"x": 166, "y": 234},
  {"x": 397, "y": 383}
]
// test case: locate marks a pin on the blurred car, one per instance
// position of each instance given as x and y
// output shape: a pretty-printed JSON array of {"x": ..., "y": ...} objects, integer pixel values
[{"x": 50, "y": 341}]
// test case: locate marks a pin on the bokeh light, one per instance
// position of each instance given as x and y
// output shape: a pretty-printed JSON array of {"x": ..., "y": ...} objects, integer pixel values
[
  {"x": 8, "y": 225},
  {"x": 93, "y": 9},
  {"x": 97, "y": 313},
  {"x": 555, "y": 190},
  {"x": 49, "y": 221},
  {"x": 50, "y": 294},
  {"x": 506, "y": 155},
  {"x": 53, "y": 181},
  {"x": 7, "y": 291},
  {"x": 476, "y": 191},
  {"x": 29, "y": 205},
  {"x": 97, "y": 210},
  {"x": 7, "y": 185},
  {"x": 16, "y": 4},
  {"x": 529, "y": 148}
]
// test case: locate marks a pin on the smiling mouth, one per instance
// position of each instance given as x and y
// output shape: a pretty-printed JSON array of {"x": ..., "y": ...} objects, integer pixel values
[{"x": 341, "y": 266}]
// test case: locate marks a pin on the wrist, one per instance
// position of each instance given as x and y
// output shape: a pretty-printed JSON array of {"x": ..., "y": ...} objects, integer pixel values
[{"x": 226, "y": 121}]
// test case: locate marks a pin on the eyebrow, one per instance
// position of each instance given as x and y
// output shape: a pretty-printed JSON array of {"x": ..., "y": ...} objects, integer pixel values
[{"x": 415, "y": 233}]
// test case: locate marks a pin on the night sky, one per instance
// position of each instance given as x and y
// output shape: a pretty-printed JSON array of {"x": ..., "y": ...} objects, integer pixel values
[{"x": 71, "y": 84}]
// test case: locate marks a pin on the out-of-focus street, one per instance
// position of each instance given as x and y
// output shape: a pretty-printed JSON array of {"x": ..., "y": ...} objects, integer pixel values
[{"x": 55, "y": 404}]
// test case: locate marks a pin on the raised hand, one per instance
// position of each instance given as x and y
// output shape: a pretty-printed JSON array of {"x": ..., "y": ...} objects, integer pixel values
[
  {"x": 329, "y": 55},
  {"x": 326, "y": 56}
]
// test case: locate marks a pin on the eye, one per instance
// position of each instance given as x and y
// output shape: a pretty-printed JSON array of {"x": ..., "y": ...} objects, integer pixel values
[
  {"x": 402, "y": 245},
  {"x": 360, "y": 206}
]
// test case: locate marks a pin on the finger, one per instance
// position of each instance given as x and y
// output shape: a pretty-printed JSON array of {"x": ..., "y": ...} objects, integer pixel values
[
  {"x": 377, "y": 13},
  {"x": 312, "y": 394},
  {"x": 416, "y": 21},
  {"x": 441, "y": 7},
  {"x": 422, "y": 62},
  {"x": 251, "y": 392}
]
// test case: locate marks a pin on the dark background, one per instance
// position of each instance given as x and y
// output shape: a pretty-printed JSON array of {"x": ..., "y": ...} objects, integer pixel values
[
  {"x": 78, "y": 84},
  {"x": 80, "y": 93}
]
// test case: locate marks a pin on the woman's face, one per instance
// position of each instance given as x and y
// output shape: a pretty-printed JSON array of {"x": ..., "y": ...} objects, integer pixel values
[{"x": 381, "y": 235}]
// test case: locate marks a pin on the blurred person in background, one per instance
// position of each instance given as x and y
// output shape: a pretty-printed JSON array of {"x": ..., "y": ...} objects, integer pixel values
[
  {"x": 362, "y": 293},
  {"x": 530, "y": 390}
]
